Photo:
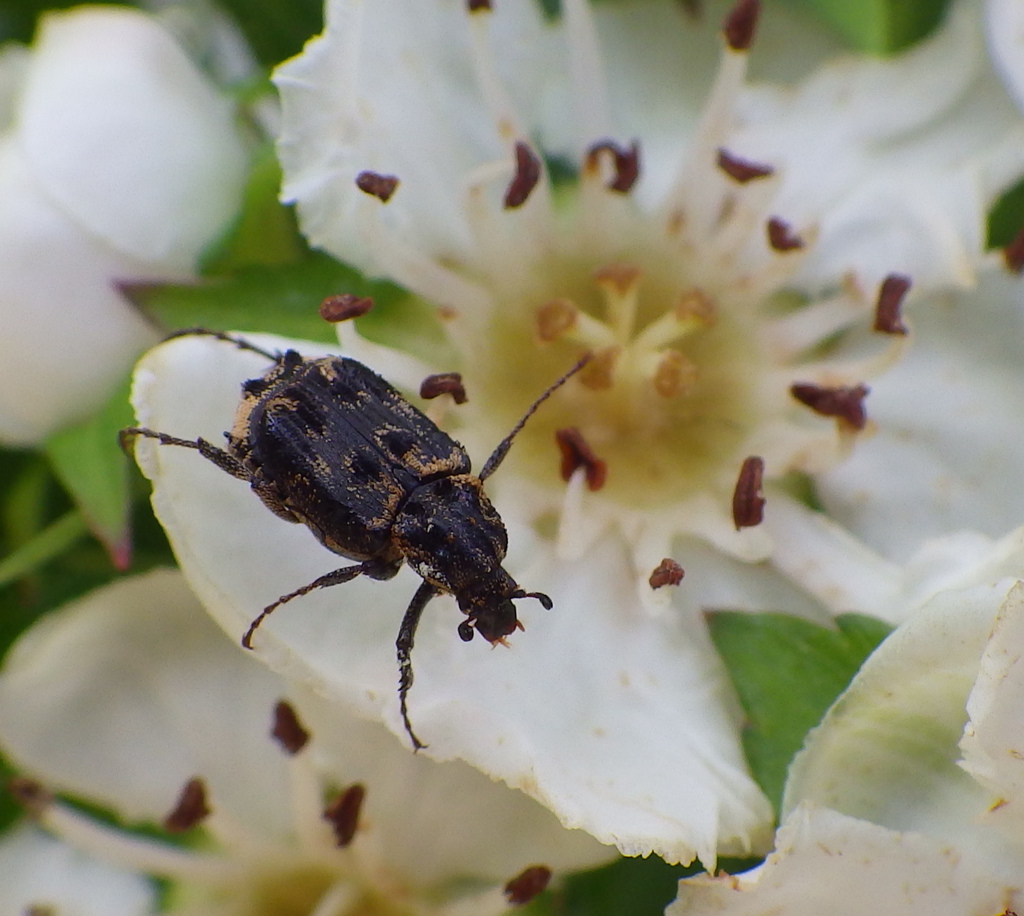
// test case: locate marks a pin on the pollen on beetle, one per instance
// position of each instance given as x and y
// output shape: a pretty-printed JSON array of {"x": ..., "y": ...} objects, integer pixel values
[
  {"x": 343, "y": 814},
  {"x": 190, "y": 809}
]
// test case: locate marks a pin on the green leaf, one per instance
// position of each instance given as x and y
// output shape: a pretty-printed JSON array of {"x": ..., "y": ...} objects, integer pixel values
[
  {"x": 1006, "y": 218},
  {"x": 879, "y": 26},
  {"x": 88, "y": 461},
  {"x": 275, "y": 30},
  {"x": 787, "y": 672},
  {"x": 51, "y": 542}
]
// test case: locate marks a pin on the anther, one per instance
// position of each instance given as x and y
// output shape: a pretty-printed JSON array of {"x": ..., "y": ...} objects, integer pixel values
[
  {"x": 288, "y": 731},
  {"x": 617, "y": 278},
  {"x": 577, "y": 453},
  {"x": 554, "y": 318},
  {"x": 434, "y": 386},
  {"x": 190, "y": 809},
  {"x": 344, "y": 307},
  {"x": 667, "y": 572},
  {"x": 674, "y": 374},
  {"x": 695, "y": 303},
  {"x": 377, "y": 185},
  {"x": 526, "y": 177},
  {"x": 29, "y": 794},
  {"x": 625, "y": 160},
  {"x": 742, "y": 170},
  {"x": 741, "y": 23},
  {"x": 599, "y": 373},
  {"x": 781, "y": 235},
  {"x": 747, "y": 498},
  {"x": 1013, "y": 254},
  {"x": 478, "y": 6},
  {"x": 888, "y": 318},
  {"x": 843, "y": 402},
  {"x": 529, "y": 883},
  {"x": 343, "y": 814}
]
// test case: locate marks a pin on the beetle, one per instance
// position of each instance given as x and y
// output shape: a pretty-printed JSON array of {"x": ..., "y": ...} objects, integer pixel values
[{"x": 329, "y": 444}]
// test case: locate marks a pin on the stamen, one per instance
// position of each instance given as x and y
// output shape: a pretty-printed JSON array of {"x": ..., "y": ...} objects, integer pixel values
[
  {"x": 674, "y": 374},
  {"x": 888, "y": 318},
  {"x": 781, "y": 236},
  {"x": 190, "y": 809},
  {"x": 747, "y": 499},
  {"x": 555, "y": 318},
  {"x": 694, "y": 311},
  {"x": 288, "y": 731},
  {"x": 741, "y": 170},
  {"x": 343, "y": 814},
  {"x": 741, "y": 23},
  {"x": 475, "y": 6},
  {"x": 620, "y": 284},
  {"x": 577, "y": 453},
  {"x": 843, "y": 402},
  {"x": 377, "y": 185},
  {"x": 1013, "y": 254},
  {"x": 667, "y": 572},
  {"x": 344, "y": 307},
  {"x": 528, "y": 884},
  {"x": 434, "y": 386},
  {"x": 625, "y": 161},
  {"x": 526, "y": 177}
]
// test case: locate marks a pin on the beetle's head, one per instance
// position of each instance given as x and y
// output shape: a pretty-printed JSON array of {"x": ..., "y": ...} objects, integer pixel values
[{"x": 494, "y": 617}]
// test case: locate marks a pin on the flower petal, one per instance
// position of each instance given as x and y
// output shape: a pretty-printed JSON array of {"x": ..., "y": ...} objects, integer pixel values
[
  {"x": 149, "y": 695},
  {"x": 825, "y": 862},
  {"x": 41, "y": 874},
  {"x": 125, "y": 134},
  {"x": 946, "y": 455},
  {"x": 560, "y": 714}
]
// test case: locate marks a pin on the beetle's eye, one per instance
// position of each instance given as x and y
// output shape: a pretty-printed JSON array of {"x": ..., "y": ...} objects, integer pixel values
[{"x": 466, "y": 631}]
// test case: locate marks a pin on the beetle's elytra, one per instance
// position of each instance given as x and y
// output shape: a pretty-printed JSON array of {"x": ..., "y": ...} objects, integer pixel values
[{"x": 329, "y": 444}]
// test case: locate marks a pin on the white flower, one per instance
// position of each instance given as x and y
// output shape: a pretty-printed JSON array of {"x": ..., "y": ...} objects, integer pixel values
[
  {"x": 611, "y": 709},
  {"x": 130, "y": 694},
  {"x": 910, "y": 794},
  {"x": 119, "y": 162}
]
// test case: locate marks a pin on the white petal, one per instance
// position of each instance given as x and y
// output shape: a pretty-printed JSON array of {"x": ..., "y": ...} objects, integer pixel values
[
  {"x": 1004, "y": 20},
  {"x": 389, "y": 87},
  {"x": 947, "y": 453},
  {"x": 887, "y": 750},
  {"x": 622, "y": 726},
  {"x": 125, "y": 695},
  {"x": 827, "y": 863},
  {"x": 124, "y": 133},
  {"x": 66, "y": 335},
  {"x": 37, "y": 871}
]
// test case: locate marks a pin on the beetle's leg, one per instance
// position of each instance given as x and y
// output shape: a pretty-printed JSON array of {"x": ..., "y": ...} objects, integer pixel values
[
  {"x": 228, "y": 338},
  {"x": 338, "y": 577},
  {"x": 404, "y": 643},
  {"x": 218, "y": 456},
  {"x": 498, "y": 455}
]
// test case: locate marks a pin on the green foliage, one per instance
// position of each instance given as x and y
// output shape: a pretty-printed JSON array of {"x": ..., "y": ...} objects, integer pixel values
[
  {"x": 1006, "y": 218},
  {"x": 879, "y": 26},
  {"x": 276, "y": 30},
  {"x": 787, "y": 672}
]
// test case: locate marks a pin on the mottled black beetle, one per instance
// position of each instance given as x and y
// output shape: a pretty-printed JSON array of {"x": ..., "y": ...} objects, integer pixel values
[{"x": 329, "y": 444}]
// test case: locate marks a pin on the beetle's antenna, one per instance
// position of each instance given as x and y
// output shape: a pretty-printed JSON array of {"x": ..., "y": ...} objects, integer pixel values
[
  {"x": 404, "y": 643},
  {"x": 228, "y": 338},
  {"x": 498, "y": 455}
]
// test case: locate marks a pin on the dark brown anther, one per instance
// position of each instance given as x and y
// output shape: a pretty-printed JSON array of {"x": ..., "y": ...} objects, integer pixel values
[
  {"x": 190, "y": 809},
  {"x": 576, "y": 453},
  {"x": 626, "y": 161},
  {"x": 747, "y": 499},
  {"x": 29, "y": 794},
  {"x": 343, "y": 814},
  {"x": 741, "y": 23},
  {"x": 1013, "y": 254},
  {"x": 667, "y": 572},
  {"x": 478, "y": 6},
  {"x": 527, "y": 884},
  {"x": 39, "y": 909},
  {"x": 380, "y": 186},
  {"x": 843, "y": 402},
  {"x": 781, "y": 235},
  {"x": 888, "y": 318},
  {"x": 526, "y": 177},
  {"x": 434, "y": 386},
  {"x": 344, "y": 307},
  {"x": 741, "y": 170},
  {"x": 288, "y": 731}
]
